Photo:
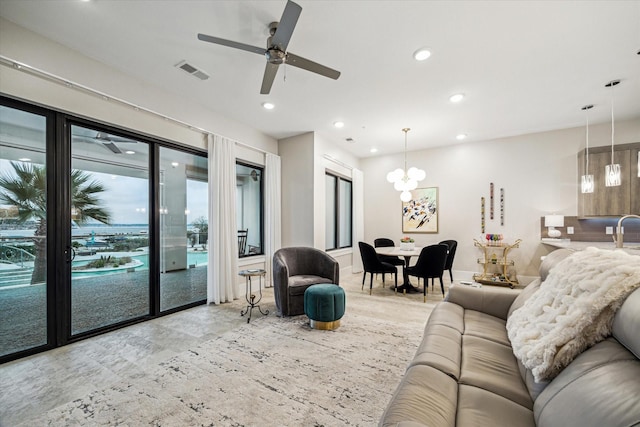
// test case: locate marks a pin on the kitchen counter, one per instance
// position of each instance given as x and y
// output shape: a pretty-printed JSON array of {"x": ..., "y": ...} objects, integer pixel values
[{"x": 630, "y": 248}]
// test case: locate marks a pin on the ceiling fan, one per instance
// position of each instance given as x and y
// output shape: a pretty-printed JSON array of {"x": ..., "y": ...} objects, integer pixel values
[
  {"x": 276, "y": 51},
  {"x": 105, "y": 139}
]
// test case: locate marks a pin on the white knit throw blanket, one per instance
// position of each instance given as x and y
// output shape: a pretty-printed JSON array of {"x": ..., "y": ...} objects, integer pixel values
[{"x": 572, "y": 310}]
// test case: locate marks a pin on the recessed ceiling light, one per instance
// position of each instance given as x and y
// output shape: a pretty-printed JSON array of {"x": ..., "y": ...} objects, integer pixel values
[
  {"x": 373, "y": 150},
  {"x": 130, "y": 152},
  {"x": 456, "y": 97},
  {"x": 421, "y": 54},
  {"x": 24, "y": 159},
  {"x": 268, "y": 106},
  {"x": 174, "y": 164},
  {"x": 461, "y": 136},
  {"x": 338, "y": 124}
]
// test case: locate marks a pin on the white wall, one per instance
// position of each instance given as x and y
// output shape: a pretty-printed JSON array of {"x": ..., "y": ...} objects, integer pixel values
[
  {"x": 538, "y": 172},
  {"x": 305, "y": 160},
  {"x": 297, "y": 186}
]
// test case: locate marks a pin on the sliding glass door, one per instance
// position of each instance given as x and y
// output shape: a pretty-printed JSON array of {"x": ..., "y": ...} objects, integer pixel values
[
  {"x": 99, "y": 228},
  {"x": 23, "y": 230},
  {"x": 184, "y": 226},
  {"x": 109, "y": 204}
]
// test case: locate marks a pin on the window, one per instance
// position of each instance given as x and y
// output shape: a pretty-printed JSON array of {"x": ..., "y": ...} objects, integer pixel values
[
  {"x": 249, "y": 208},
  {"x": 338, "y": 212}
]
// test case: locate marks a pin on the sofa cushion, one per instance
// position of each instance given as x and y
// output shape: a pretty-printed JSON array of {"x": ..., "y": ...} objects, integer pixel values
[
  {"x": 447, "y": 314},
  {"x": 523, "y": 296},
  {"x": 493, "y": 300},
  {"x": 425, "y": 395},
  {"x": 441, "y": 348},
  {"x": 485, "y": 326},
  {"x": 298, "y": 284},
  {"x": 481, "y": 408},
  {"x": 625, "y": 324},
  {"x": 552, "y": 260},
  {"x": 601, "y": 387},
  {"x": 492, "y": 366},
  {"x": 534, "y": 387}
]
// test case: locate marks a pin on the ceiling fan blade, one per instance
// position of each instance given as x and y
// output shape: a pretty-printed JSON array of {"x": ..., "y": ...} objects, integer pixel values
[
  {"x": 122, "y": 140},
  {"x": 113, "y": 147},
  {"x": 286, "y": 25},
  {"x": 314, "y": 67},
  {"x": 269, "y": 76},
  {"x": 230, "y": 43}
]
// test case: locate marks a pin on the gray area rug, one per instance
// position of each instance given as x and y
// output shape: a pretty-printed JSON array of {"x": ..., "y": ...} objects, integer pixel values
[{"x": 271, "y": 372}]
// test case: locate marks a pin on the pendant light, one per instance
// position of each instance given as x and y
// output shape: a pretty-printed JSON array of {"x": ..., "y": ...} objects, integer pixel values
[
  {"x": 612, "y": 171},
  {"x": 587, "y": 178},
  {"x": 407, "y": 179}
]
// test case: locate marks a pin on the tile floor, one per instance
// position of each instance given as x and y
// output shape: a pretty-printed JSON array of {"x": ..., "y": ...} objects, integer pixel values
[{"x": 38, "y": 383}]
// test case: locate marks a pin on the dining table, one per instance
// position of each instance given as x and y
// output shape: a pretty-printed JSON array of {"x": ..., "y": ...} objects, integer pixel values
[{"x": 407, "y": 254}]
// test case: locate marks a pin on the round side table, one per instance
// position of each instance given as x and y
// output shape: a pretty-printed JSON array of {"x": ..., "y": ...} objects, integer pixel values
[{"x": 250, "y": 296}]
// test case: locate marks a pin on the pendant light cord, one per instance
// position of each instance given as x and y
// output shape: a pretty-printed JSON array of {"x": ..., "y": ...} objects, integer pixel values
[
  {"x": 613, "y": 128},
  {"x": 587, "y": 160},
  {"x": 405, "y": 130}
]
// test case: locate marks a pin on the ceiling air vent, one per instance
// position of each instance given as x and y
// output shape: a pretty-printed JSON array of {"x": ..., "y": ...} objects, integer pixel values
[{"x": 194, "y": 71}]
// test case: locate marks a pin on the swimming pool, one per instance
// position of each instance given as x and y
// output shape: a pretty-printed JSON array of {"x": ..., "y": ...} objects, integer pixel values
[{"x": 195, "y": 259}]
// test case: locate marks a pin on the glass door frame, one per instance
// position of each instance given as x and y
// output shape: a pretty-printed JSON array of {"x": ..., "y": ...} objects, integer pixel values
[
  {"x": 52, "y": 294},
  {"x": 58, "y": 166},
  {"x": 64, "y": 250}
]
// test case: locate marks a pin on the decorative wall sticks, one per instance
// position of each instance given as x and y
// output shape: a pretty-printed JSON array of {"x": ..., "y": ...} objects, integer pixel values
[
  {"x": 491, "y": 200},
  {"x": 502, "y": 206},
  {"x": 482, "y": 215}
]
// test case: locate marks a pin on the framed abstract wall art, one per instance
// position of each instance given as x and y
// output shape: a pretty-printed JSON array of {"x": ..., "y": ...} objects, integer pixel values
[{"x": 420, "y": 214}]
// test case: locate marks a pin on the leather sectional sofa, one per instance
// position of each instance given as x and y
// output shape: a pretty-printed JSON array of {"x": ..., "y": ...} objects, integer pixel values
[{"x": 464, "y": 373}]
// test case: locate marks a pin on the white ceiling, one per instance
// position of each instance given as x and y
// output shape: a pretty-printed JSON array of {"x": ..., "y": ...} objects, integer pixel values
[{"x": 524, "y": 66}]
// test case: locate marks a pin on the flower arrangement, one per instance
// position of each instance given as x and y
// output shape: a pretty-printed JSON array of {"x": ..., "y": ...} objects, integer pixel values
[{"x": 406, "y": 244}]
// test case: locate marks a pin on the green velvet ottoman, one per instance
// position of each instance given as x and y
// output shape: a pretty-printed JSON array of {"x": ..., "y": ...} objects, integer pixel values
[{"x": 324, "y": 306}]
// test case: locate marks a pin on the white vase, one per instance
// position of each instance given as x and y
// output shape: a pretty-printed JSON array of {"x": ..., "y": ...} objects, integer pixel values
[{"x": 407, "y": 246}]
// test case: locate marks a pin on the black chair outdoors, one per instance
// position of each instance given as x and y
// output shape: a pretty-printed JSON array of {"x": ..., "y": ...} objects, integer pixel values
[
  {"x": 242, "y": 242},
  {"x": 452, "y": 244},
  {"x": 383, "y": 242},
  {"x": 372, "y": 264},
  {"x": 430, "y": 265}
]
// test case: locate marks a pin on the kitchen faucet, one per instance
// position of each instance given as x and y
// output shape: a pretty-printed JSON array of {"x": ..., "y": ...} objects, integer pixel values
[{"x": 619, "y": 238}]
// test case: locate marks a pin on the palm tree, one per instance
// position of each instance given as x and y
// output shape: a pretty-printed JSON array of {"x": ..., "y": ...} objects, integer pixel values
[{"x": 26, "y": 190}]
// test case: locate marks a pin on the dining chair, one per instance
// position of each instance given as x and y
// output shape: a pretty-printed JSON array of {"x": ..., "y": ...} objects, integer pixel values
[
  {"x": 383, "y": 242},
  {"x": 242, "y": 242},
  {"x": 452, "y": 244},
  {"x": 372, "y": 264},
  {"x": 430, "y": 265}
]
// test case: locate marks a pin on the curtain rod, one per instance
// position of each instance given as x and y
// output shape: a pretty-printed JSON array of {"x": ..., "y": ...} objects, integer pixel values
[{"x": 25, "y": 68}]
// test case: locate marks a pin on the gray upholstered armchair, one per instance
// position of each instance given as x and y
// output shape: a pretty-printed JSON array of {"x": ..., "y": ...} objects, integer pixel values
[{"x": 294, "y": 270}]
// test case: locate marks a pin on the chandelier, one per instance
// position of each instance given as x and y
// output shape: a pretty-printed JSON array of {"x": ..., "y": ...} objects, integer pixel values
[
  {"x": 612, "y": 171},
  {"x": 587, "y": 178},
  {"x": 407, "y": 179}
]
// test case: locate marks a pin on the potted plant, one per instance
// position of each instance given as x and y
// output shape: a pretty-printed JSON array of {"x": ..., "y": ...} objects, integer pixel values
[{"x": 407, "y": 244}]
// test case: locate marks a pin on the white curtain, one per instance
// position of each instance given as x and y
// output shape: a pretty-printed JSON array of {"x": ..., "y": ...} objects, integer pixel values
[
  {"x": 272, "y": 224},
  {"x": 357, "y": 182},
  {"x": 222, "y": 272}
]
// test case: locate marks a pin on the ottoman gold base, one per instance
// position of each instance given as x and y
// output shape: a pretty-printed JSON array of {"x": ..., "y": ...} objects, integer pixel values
[{"x": 325, "y": 326}]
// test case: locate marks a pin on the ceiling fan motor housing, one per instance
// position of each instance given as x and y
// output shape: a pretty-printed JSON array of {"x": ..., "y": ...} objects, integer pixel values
[{"x": 275, "y": 56}]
